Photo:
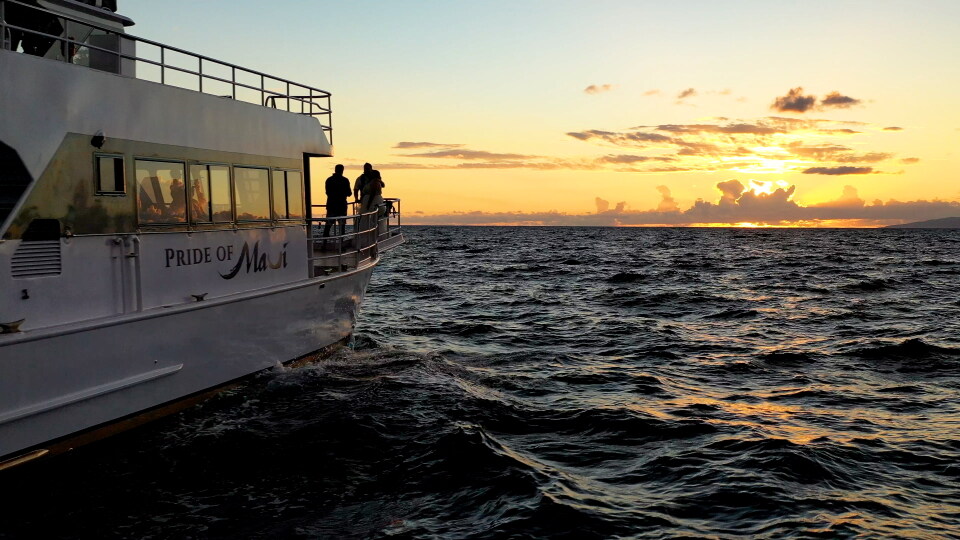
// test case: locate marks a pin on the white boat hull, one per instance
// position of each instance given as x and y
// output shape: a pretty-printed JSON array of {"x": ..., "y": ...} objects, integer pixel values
[
  {"x": 158, "y": 240},
  {"x": 84, "y": 375}
]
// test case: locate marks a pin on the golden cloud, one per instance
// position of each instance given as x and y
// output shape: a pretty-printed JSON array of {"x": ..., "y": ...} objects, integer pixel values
[{"x": 737, "y": 203}]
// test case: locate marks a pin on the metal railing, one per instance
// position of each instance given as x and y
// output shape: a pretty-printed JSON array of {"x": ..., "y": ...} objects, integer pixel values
[
  {"x": 356, "y": 238},
  {"x": 295, "y": 97}
]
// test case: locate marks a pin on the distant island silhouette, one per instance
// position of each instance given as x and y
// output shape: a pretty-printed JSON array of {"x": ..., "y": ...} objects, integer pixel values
[{"x": 942, "y": 223}]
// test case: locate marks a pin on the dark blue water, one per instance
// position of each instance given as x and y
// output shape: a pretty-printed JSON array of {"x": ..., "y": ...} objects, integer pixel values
[{"x": 580, "y": 383}]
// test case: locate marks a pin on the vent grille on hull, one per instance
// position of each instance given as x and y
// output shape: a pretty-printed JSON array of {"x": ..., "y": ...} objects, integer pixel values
[{"x": 36, "y": 259}]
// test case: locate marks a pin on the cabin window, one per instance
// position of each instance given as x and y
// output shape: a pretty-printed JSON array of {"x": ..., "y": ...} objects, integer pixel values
[
  {"x": 110, "y": 175},
  {"x": 209, "y": 191},
  {"x": 252, "y": 190},
  {"x": 287, "y": 195},
  {"x": 161, "y": 194}
]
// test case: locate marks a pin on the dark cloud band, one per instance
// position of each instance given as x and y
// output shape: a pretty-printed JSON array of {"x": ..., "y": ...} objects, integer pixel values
[
  {"x": 794, "y": 101},
  {"x": 837, "y": 171}
]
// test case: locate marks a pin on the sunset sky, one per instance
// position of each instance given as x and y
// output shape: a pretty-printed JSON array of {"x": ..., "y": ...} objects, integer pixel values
[{"x": 625, "y": 112}]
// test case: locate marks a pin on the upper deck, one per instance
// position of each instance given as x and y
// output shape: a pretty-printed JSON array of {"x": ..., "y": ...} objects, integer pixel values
[
  {"x": 90, "y": 33},
  {"x": 69, "y": 70}
]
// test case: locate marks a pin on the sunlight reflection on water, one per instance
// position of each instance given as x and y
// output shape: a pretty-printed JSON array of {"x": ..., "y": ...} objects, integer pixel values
[{"x": 593, "y": 383}]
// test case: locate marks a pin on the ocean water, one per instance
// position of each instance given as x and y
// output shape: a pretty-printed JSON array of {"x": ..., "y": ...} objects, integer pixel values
[{"x": 572, "y": 383}]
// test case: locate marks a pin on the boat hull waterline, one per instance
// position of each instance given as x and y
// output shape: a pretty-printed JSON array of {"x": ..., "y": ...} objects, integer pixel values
[
  {"x": 161, "y": 235},
  {"x": 91, "y": 376}
]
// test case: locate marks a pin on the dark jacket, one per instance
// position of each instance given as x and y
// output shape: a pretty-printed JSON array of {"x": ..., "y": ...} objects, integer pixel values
[{"x": 338, "y": 189}]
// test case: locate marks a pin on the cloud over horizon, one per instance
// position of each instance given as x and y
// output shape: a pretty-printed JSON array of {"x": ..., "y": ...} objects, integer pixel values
[
  {"x": 471, "y": 155},
  {"x": 794, "y": 101},
  {"x": 835, "y": 171},
  {"x": 689, "y": 92},
  {"x": 599, "y": 88},
  {"x": 754, "y": 202},
  {"x": 834, "y": 99},
  {"x": 770, "y": 144},
  {"x": 798, "y": 102},
  {"x": 406, "y": 145},
  {"x": 667, "y": 202},
  {"x": 447, "y": 156}
]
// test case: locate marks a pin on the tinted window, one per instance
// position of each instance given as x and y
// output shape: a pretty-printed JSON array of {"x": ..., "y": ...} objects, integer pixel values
[
  {"x": 294, "y": 195},
  {"x": 287, "y": 195},
  {"x": 161, "y": 195},
  {"x": 279, "y": 195},
  {"x": 210, "y": 194},
  {"x": 220, "y": 203},
  {"x": 110, "y": 177},
  {"x": 252, "y": 189},
  {"x": 199, "y": 193}
]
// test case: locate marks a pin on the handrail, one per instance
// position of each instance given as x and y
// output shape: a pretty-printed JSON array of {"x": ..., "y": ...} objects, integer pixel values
[
  {"x": 369, "y": 229},
  {"x": 315, "y": 103}
]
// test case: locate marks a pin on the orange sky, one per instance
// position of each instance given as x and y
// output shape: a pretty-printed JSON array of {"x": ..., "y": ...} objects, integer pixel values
[{"x": 624, "y": 112}]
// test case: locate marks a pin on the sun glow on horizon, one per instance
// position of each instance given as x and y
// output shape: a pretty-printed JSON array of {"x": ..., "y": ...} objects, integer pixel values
[
  {"x": 763, "y": 165},
  {"x": 651, "y": 135},
  {"x": 766, "y": 187}
]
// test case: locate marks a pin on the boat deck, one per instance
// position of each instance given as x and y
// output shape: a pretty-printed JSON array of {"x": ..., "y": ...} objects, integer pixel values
[
  {"x": 94, "y": 37},
  {"x": 344, "y": 243}
]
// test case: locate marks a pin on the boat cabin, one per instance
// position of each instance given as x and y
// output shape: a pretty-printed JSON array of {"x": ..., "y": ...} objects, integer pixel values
[
  {"x": 83, "y": 32},
  {"x": 144, "y": 162},
  {"x": 158, "y": 237}
]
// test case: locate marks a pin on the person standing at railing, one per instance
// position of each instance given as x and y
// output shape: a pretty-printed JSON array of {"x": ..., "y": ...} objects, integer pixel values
[
  {"x": 362, "y": 181},
  {"x": 371, "y": 191},
  {"x": 338, "y": 189},
  {"x": 372, "y": 202},
  {"x": 367, "y": 191}
]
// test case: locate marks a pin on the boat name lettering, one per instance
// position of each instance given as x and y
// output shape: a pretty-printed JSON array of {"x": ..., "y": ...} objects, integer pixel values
[
  {"x": 188, "y": 257},
  {"x": 254, "y": 261}
]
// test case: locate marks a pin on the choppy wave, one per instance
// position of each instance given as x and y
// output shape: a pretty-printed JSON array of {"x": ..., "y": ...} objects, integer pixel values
[{"x": 654, "y": 383}]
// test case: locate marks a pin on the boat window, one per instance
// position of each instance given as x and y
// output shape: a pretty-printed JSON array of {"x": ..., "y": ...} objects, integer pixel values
[
  {"x": 210, "y": 194},
  {"x": 252, "y": 190},
  {"x": 279, "y": 195},
  {"x": 110, "y": 176},
  {"x": 287, "y": 195},
  {"x": 294, "y": 195},
  {"x": 161, "y": 192},
  {"x": 105, "y": 56}
]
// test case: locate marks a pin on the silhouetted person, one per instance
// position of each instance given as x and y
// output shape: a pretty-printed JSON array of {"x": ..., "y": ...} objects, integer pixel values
[
  {"x": 338, "y": 189},
  {"x": 35, "y": 20},
  {"x": 361, "y": 181},
  {"x": 371, "y": 195}
]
